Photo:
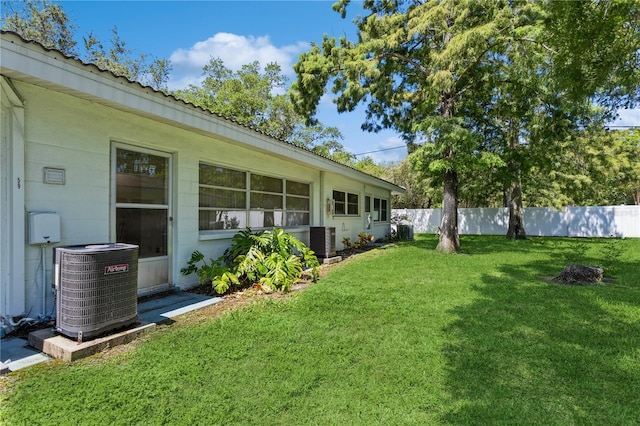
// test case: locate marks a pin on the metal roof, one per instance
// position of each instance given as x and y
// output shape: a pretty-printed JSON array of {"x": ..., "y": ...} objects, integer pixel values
[{"x": 135, "y": 85}]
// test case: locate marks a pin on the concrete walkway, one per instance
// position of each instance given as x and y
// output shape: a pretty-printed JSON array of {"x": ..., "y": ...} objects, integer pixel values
[{"x": 15, "y": 352}]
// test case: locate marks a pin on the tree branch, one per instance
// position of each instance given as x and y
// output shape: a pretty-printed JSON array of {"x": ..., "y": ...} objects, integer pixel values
[
  {"x": 530, "y": 40},
  {"x": 405, "y": 59}
]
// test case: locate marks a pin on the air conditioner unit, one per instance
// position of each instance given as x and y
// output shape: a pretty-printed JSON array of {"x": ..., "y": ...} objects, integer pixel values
[
  {"x": 322, "y": 240},
  {"x": 96, "y": 289}
]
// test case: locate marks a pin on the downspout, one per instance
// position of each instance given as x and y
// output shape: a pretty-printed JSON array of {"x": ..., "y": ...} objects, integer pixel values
[{"x": 322, "y": 200}]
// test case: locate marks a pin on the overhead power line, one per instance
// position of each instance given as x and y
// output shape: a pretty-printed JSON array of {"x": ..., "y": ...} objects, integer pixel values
[
  {"x": 405, "y": 146},
  {"x": 380, "y": 150}
]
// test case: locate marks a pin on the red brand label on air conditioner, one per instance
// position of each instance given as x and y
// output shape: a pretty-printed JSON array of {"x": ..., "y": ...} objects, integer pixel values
[{"x": 116, "y": 269}]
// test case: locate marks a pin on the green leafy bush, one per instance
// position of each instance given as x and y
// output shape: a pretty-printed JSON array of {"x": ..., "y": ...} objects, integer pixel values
[
  {"x": 274, "y": 260},
  {"x": 214, "y": 272}
]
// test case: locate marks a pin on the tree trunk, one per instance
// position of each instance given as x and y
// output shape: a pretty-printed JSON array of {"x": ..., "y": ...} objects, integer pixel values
[
  {"x": 516, "y": 213},
  {"x": 449, "y": 238}
]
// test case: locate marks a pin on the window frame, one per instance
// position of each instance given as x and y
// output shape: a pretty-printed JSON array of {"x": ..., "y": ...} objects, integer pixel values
[
  {"x": 280, "y": 215},
  {"x": 380, "y": 213},
  {"x": 345, "y": 202}
]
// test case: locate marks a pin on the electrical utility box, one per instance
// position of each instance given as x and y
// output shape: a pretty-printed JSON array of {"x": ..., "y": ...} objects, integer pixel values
[{"x": 44, "y": 228}]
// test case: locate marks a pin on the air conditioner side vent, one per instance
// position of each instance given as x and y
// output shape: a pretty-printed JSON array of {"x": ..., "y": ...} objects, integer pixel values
[{"x": 322, "y": 240}]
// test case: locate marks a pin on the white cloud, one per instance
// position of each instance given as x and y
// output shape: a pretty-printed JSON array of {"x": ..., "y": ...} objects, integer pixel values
[
  {"x": 235, "y": 51},
  {"x": 627, "y": 117},
  {"x": 326, "y": 100},
  {"x": 238, "y": 50}
]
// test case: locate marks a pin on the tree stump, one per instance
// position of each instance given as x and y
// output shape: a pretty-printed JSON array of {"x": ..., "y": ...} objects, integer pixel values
[{"x": 580, "y": 274}]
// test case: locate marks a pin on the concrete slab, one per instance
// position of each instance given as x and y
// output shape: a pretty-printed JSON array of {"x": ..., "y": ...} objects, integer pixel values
[
  {"x": 42, "y": 345},
  {"x": 15, "y": 348},
  {"x": 15, "y": 353},
  {"x": 61, "y": 347},
  {"x": 28, "y": 361},
  {"x": 164, "y": 308}
]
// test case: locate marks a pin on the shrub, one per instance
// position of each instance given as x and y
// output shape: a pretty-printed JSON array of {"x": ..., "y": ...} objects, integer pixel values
[
  {"x": 214, "y": 272},
  {"x": 346, "y": 242},
  {"x": 274, "y": 260},
  {"x": 363, "y": 240}
]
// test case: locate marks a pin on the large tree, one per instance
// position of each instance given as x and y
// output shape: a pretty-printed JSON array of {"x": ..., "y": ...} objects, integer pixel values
[
  {"x": 255, "y": 96},
  {"x": 249, "y": 96},
  {"x": 627, "y": 178},
  {"x": 48, "y": 24},
  {"x": 504, "y": 78},
  {"x": 523, "y": 118},
  {"x": 585, "y": 53},
  {"x": 42, "y": 21},
  {"x": 596, "y": 49},
  {"x": 420, "y": 192},
  {"x": 121, "y": 60},
  {"x": 594, "y": 168},
  {"x": 418, "y": 65}
]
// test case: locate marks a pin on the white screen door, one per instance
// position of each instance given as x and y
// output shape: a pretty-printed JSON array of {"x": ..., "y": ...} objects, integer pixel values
[{"x": 142, "y": 211}]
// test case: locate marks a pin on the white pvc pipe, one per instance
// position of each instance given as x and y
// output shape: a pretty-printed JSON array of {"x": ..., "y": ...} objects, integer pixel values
[{"x": 44, "y": 282}]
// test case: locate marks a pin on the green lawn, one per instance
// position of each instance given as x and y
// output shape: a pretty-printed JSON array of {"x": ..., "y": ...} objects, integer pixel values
[{"x": 396, "y": 336}]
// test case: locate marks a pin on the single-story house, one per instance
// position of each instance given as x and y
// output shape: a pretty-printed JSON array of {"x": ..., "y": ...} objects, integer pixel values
[{"x": 111, "y": 160}]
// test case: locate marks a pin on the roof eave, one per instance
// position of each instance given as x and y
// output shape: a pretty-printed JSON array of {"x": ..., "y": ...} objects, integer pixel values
[{"x": 33, "y": 63}]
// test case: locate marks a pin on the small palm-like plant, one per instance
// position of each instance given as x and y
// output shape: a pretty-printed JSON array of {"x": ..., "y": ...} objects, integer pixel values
[{"x": 272, "y": 259}]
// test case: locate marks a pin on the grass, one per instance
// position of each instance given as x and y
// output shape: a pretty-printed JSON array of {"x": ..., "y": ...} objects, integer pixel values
[{"x": 401, "y": 336}]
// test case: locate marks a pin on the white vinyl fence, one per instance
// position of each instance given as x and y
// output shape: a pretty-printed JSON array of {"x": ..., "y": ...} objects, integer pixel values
[{"x": 616, "y": 221}]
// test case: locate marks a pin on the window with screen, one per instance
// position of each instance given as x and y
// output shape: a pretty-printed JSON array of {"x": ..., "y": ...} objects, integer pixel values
[
  {"x": 346, "y": 203},
  {"x": 380, "y": 210},
  {"x": 234, "y": 199}
]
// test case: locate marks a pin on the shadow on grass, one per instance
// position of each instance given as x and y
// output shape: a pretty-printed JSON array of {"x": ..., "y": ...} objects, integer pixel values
[
  {"x": 563, "y": 250},
  {"x": 530, "y": 352},
  {"x": 491, "y": 244}
]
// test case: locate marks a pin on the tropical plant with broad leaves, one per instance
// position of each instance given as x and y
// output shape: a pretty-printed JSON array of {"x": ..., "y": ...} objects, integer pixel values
[
  {"x": 274, "y": 260},
  {"x": 214, "y": 272}
]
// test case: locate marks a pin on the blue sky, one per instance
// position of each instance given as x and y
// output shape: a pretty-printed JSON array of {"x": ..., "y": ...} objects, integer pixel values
[
  {"x": 239, "y": 32},
  {"x": 189, "y": 33}
]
